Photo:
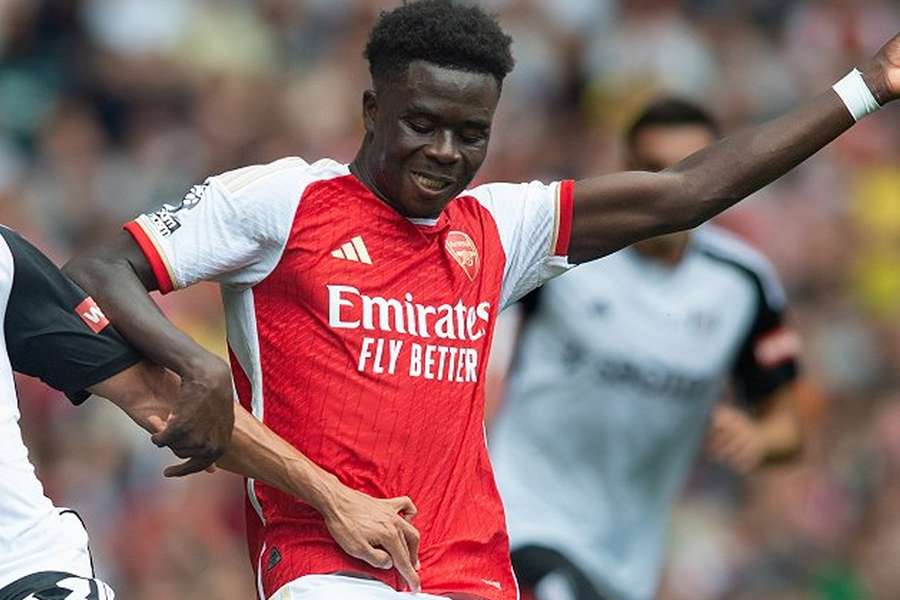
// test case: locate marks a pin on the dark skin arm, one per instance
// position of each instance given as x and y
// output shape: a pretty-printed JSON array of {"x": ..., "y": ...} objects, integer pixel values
[
  {"x": 614, "y": 211},
  {"x": 375, "y": 530},
  {"x": 118, "y": 277}
]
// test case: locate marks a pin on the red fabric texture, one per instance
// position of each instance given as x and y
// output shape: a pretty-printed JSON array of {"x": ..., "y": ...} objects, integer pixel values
[{"x": 386, "y": 432}]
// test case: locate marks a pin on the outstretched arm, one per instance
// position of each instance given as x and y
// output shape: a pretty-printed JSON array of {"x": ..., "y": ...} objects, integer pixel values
[
  {"x": 613, "y": 211},
  {"x": 377, "y": 531}
]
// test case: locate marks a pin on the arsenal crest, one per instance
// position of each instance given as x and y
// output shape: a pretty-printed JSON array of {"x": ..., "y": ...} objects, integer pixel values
[{"x": 461, "y": 247}]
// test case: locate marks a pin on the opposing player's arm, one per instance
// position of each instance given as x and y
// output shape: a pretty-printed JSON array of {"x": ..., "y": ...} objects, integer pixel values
[
  {"x": 228, "y": 229},
  {"x": 613, "y": 211},
  {"x": 375, "y": 530},
  {"x": 119, "y": 276},
  {"x": 780, "y": 426},
  {"x": 765, "y": 429},
  {"x": 745, "y": 441},
  {"x": 53, "y": 330}
]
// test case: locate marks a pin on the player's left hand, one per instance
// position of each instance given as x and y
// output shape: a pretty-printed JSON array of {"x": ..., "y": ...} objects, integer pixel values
[
  {"x": 735, "y": 440},
  {"x": 882, "y": 73},
  {"x": 378, "y": 531},
  {"x": 202, "y": 419}
]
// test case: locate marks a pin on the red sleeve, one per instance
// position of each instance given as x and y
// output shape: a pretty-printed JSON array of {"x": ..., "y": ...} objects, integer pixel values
[
  {"x": 157, "y": 263},
  {"x": 564, "y": 231}
]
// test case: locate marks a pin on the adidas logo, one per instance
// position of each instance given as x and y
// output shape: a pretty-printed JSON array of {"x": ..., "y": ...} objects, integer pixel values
[{"x": 354, "y": 250}]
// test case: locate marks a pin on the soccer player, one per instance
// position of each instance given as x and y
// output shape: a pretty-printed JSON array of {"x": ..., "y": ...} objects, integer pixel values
[
  {"x": 53, "y": 330},
  {"x": 618, "y": 369},
  {"x": 360, "y": 299}
]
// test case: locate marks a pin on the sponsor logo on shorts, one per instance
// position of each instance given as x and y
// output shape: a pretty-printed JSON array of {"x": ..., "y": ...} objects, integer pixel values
[
  {"x": 463, "y": 250},
  {"x": 492, "y": 583},
  {"x": 274, "y": 559},
  {"x": 91, "y": 314}
]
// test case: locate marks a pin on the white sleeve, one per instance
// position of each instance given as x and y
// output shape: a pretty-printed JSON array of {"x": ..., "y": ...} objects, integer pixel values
[
  {"x": 231, "y": 229},
  {"x": 534, "y": 221}
]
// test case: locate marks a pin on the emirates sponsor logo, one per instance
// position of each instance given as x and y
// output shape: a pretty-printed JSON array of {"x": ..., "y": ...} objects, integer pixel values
[
  {"x": 459, "y": 331},
  {"x": 348, "y": 308},
  {"x": 463, "y": 250}
]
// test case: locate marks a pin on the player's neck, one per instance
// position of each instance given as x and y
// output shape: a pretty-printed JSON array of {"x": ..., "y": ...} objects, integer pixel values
[
  {"x": 360, "y": 169},
  {"x": 666, "y": 252}
]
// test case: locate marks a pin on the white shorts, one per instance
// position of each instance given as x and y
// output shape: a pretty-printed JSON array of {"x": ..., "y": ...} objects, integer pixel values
[
  {"x": 340, "y": 587},
  {"x": 55, "y": 563},
  {"x": 50, "y": 585}
]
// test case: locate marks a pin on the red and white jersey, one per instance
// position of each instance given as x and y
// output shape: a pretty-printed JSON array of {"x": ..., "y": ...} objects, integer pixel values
[{"x": 361, "y": 337}]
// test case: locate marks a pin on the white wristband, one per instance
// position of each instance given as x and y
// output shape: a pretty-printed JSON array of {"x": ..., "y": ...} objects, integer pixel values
[{"x": 856, "y": 95}]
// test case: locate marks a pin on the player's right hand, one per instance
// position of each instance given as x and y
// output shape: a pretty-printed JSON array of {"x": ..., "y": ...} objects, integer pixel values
[
  {"x": 735, "y": 440},
  {"x": 377, "y": 531},
  {"x": 200, "y": 425}
]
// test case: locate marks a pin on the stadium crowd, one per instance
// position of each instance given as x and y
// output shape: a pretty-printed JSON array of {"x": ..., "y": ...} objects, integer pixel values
[{"x": 110, "y": 107}]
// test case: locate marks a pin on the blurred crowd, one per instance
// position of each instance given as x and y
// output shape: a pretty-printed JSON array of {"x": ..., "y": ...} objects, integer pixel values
[{"x": 110, "y": 107}]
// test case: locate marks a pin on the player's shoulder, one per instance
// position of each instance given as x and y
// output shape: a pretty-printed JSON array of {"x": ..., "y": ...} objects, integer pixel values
[
  {"x": 6, "y": 260},
  {"x": 512, "y": 204},
  {"x": 724, "y": 248},
  {"x": 724, "y": 245},
  {"x": 489, "y": 194},
  {"x": 287, "y": 175},
  {"x": 12, "y": 240}
]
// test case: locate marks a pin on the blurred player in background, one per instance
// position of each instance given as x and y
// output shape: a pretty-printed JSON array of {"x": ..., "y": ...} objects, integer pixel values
[
  {"x": 54, "y": 331},
  {"x": 360, "y": 299},
  {"x": 618, "y": 370}
]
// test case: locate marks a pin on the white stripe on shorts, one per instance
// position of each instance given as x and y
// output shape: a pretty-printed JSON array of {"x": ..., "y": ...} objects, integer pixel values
[{"x": 332, "y": 587}]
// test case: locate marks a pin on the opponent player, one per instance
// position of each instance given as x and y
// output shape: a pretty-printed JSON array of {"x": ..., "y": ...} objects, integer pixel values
[
  {"x": 617, "y": 371},
  {"x": 361, "y": 298},
  {"x": 53, "y": 330}
]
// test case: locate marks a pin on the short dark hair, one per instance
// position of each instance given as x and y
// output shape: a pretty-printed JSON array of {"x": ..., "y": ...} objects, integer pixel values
[
  {"x": 671, "y": 111},
  {"x": 440, "y": 32}
]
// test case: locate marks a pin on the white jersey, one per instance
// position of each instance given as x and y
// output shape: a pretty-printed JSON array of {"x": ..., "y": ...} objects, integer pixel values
[
  {"x": 52, "y": 330},
  {"x": 619, "y": 365}
]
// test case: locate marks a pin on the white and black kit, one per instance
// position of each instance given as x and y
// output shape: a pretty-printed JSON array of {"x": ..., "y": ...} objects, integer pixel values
[
  {"x": 52, "y": 330},
  {"x": 618, "y": 368}
]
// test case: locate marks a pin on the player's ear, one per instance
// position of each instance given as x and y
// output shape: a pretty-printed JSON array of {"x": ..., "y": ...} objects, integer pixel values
[{"x": 370, "y": 110}]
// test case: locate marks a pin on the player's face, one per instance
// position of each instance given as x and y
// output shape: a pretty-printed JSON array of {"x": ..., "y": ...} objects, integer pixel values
[
  {"x": 659, "y": 147},
  {"x": 428, "y": 135}
]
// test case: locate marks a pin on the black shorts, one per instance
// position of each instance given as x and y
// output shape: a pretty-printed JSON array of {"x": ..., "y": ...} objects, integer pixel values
[
  {"x": 533, "y": 563},
  {"x": 53, "y": 585}
]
